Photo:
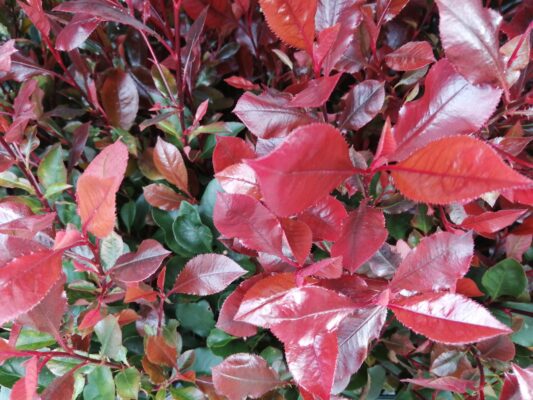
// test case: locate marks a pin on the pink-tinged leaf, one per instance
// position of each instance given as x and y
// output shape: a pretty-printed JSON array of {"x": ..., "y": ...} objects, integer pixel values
[
  {"x": 47, "y": 315},
  {"x": 34, "y": 11},
  {"x": 510, "y": 389},
  {"x": 26, "y": 387},
  {"x": 454, "y": 169},
  {"x": 522, "y": 45},
  {"x": 6, "y": 50},
  {"x": 24, "y": 111},
  {"x": 245, "y": 218},
  {"x": 447, "y": 383},
  {"x": 68, "y": 238},
  {"x": 312, "y": 363},
  {"x": 524, "y": 379},
  {"x": 293, "y": 21},
  {"x": 239, "y": 82},
  {"x": 490, "y": 222},
  {"x": 61, "y": 388},
  {"x": 329, "y": 13},
  {"x": 316, "y": 92},
  {"x": 218, "y": 13},
  {"x": 76, "y": 32},
  {"x": 354, "y": 336},
  {"x": 364, "y": 102},
  {"x": 516, "y": 245},
  {"x": 25, "y": 282},
  {"x": 362, "y": 235},
  {"x": 467, "y": 287},
  {"x": 97, "y": 188},
  {"x": 268, "y": 115},
  {"x": 230, "y": 150},
  {"x": 163, "y": 197},
  {"x": 391, "y": 8},
  {"x": 387, "y": 145},
  {"x": 499, "y": 348},
  {"x": 324, "y": 218},
  {"x": 329, "y": 268},
  {"x": 207, "y": 274},
  {"x": 440, "y": 112},
  {"x": 469, "y": 35},
  {"x": 435, "y": 264},
  {"x": 120, "y": 98},
  {"x": 138, "y": 266},
  {"x": 309, "y": 164},
  {"x": 411, "y": 56},
  {"x": 244, "y": 375},
  {"x": 27, "y": 227},
  {"x": 324, "y": 47},
  {"x": 239, "y": 179},
  {"x": 226, "y": 319},
  {"x": 14, "y": 247},
  {"x": 447, "y": 318},
  {"x": 299, "y": 238},
  {"x": 170, "y": 164}
]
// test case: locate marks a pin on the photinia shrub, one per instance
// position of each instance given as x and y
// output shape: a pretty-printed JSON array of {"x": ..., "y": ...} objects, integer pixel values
[{"x": 276, "y": 199}]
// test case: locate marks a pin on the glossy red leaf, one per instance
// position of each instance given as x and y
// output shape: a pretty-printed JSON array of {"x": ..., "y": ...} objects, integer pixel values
[
  {"x": 440, "y": 112},
  {"x": 324, "y": 218},
  {"x": 362, "y": 235},
  {"x": 446, "y": 383},
  {"x": 490, "y": 222},
  {"x": 309, "y": 164},
  {"x": 454, "y": 169},
  {"x": 244, "y": 375},
  {"x": 6, "y": 50},
  {"x": 316, "y": 92},
  {"x": 447, "y": 318},
  {"x": 325, "y": 46},
  {"x": 293, "y": 21},
  {"x": 163, "y": 197},
  {"x": 239, "y": 179},
  {"x": 328, "y": 268},
  {"x": 120, "y": 98},
  {"x": 170, "y": 164},
  {"x": 25, "y": 282},
  {"x": 35, "y": 12},
  {"x": 219, "y": 13},
  {"x": 411, "y": 56},
  {"x": 435, "y": 264},
  {"x": 160, "y": 352},
  {"x": 524, "y": 379},
  {"x": 363, "y": 103},
  {"x": 14, "y": 247},
  {"x": 61, "y": 388},
  {"x": 241, "y": 83},
  {"x": 77, "y": 30},
  {"x": 467, "y": 287},
  {"x": 469, "y": 35},
  {"x": 299, "y": 238},
  {"x": 510, "y": 389},
  {"x": 354, "y": 336},
  {"x": 329, "y": 13},
  {"x": 245, "y": 218},
  {"x": 97, "y": 188},
  {"x": 268, "y": 116},
  {"x": 26, "y": 387},
  {"x": 138, "y": 266},
  {"x": 230, "y": 150},
  {"x": 207, "y": 274}
]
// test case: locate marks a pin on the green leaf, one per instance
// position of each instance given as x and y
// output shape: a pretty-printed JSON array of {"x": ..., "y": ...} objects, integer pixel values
[
  {"x": 55, "y": 189},
  {"x": 110, "y": 337},
  {"x": 196, "y": 317},
  {"x": 30, "y": 339},
  {"x": 191, "y": 236},
  {"x": 507, "y": 278},
  {"x": 128, "y": 383},
  {"x": 100, "y": 385},
  {"x": 111, "y": 248},
  {"x": 205, "y": 360},
  {"x": 218, "y": 338},
  {"x": 207, "y": 202},
  {"x": 187, "y": 393},
  {"x": 52, "y": 170},
  {"x": 127, "y": 214}
]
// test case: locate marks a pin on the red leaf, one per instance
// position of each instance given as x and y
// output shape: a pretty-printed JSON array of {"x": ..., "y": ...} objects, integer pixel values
[
  {"x": 219, "y": 13},
  {"x": 6, "y": 50},
  {"x": 499, "y": 348},
  {"x": 447, "y": 383},
  {"x": 97, "y": 188},
  {"x": 440, "y": 112},
  {"x": 329, "y": 268},
  {"x": 447, "y": 318},
  {"x": 61, "y": 388},
  {"x": 362, "y": 234},
  {"x": 467, "y": 287},
  {"x": 170, "y": 164},
  {"x": 245, "y": 218},
  {"x": 26, "y": 387},
  {"x": 25, "y": 281},
  {"x": 454, "y": 169},
  {"x": 244, "y": 375},
  {"x": 435, "y": 264},
  {"x": 524, "y": 379},
  {"x": 411, "y": 56},
  {"x": 517, "y": 245},
  {"x": 163, "y": 197},
  {"x": 316, "y": 92},
  {"x": 120, "y": 98},
  {"x": 226, "y": 319},
  {"x": 138, "y": 266},
  {"x": 299, "y": 238},
  {"x": 17, "y": 220},
  {"x": 293, "y": 21},
  {"x": 309, "y": 164},
  {"x": 230, "y": 150},
  {"x": 34, "y": 11},
  {"x": 239, "y": 179},
  {"x": 160, "y": 352},
  {"x": 387, "y": 145},
  {"x": 490, "y": 222},
  {"x": 76, "y": 32},
  {"x": 241, "y": 83},
  {"x": 207, "y": 274},
  {"x": 324, "y": 47},
  {"x": 469, "y": 35},
  {"x": 324, "y": 218},
  {"x": 354, "y": 336},
  {"x": 268, "y": 116},
  {"x": 363, "y": 103}
]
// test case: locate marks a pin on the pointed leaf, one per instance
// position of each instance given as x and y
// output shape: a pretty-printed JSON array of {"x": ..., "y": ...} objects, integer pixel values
[
  {"x": 160, "y": 352},
  {"x": 490, "y": 222},
  {"x": 76, "y": 31},
  {"x": 316, "y": 92},
  {"x": 207, "y": 274},
  {"x": 324, "y": 218},
  {"x": 239, "y": 179},
  {"x": 138, "y": 266},
  {"x": 163, "y": 197},
  {"x": 26, "y": 387},
  {"x": 506, "y": 278},
  {"x": 6, "y": 49},
  {"x": 363, "y": 103},
  {"x": 61, "y": 388},
  {"x": 328, "y": 268},
  {"x": 411, "y": 56},
  {"x": 110, "y": 336},
  {"x": 454, "y": 169},
  {"x": 446, "y": 383},
  {"x": 309, "y": 164},
  {"x": 447, "y": 318},
  {"x": 299, "y": 237},
  {"x": 230, "y": 150},
  {"x": 120, "y": 99},
  {"x": 170, "y": 164}
]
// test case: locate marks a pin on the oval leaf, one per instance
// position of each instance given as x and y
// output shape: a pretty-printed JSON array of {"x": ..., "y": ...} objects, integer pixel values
[
  {"x": 363, "y": 104},
  {"x": 410, "y": 56},
  {"x": 120, "y": 99},
  {"x": 170, "y": 164}
]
